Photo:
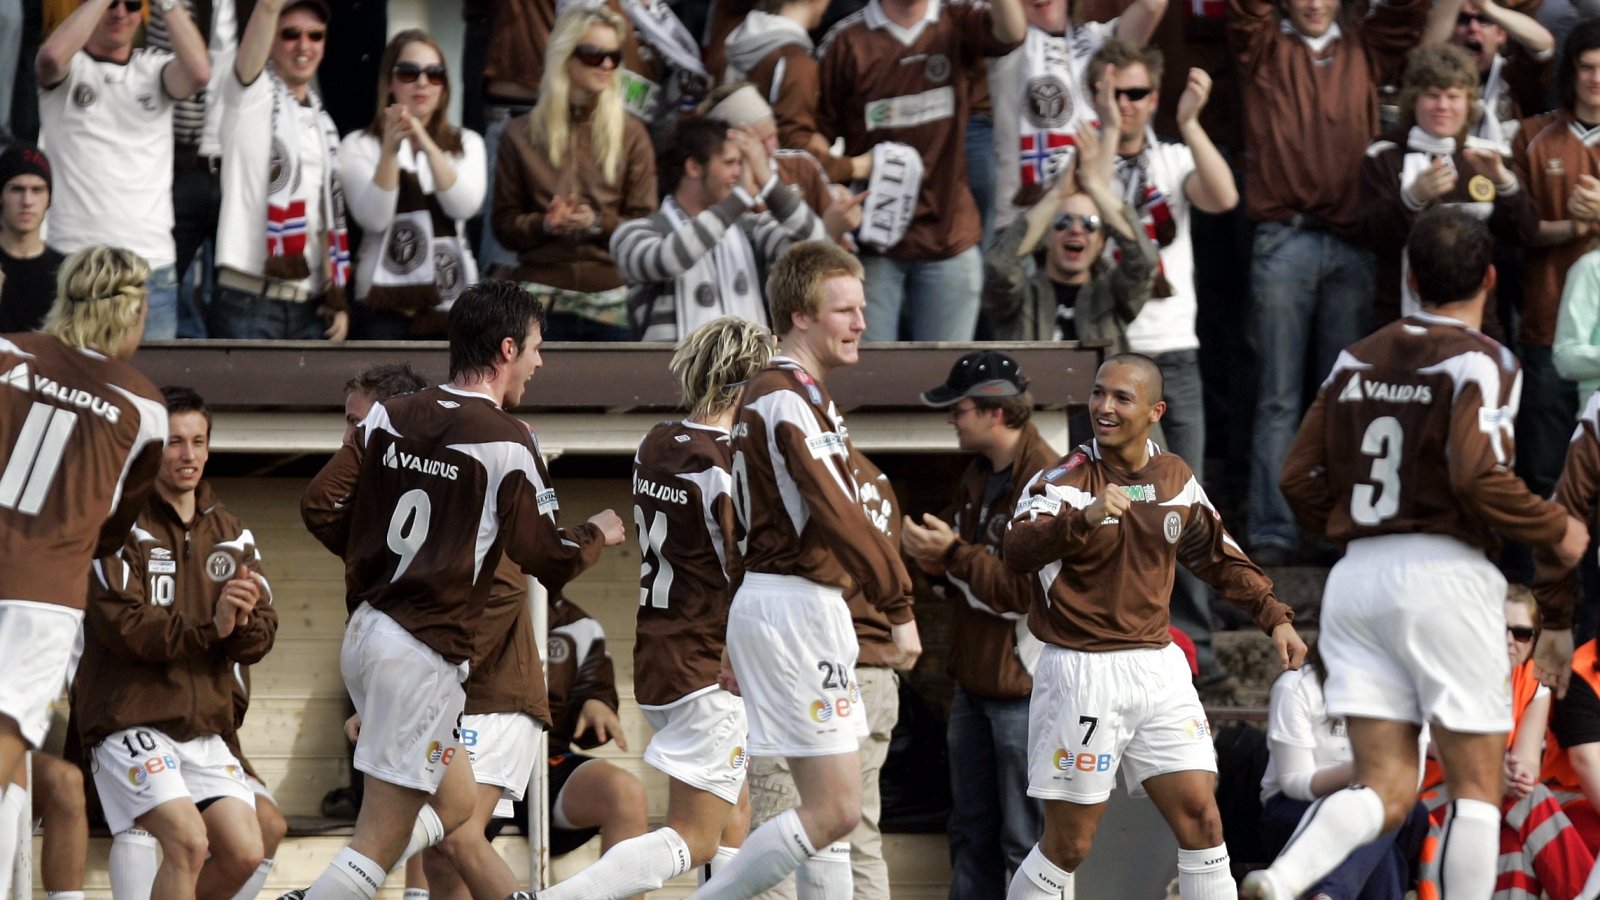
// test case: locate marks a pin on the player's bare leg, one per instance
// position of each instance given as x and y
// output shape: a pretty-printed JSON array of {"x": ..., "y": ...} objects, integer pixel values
[
  {"x": 734, "y": 831},
  {"x": 1188, "y": 801},
  {"x": 233, "y": 837},
  {"x": 383, "y": 828},
  {"x": 1470, "y": 844},
  {"x": 1069, "y": 830},
  {"x": 270, "y": 822},
  {"x": 179, "y": 828},
  {"x": 600, "y": 795},
  {"x": 446, "y": 864},
  {"x": 58, "y": 800},
  {"x": 1379, "y": 800}
]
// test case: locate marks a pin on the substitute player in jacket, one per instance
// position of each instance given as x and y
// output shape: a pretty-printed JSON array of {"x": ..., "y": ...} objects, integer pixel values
[
  {"x": 1406, "y": 458},
  {"x": 70, "y": 403},
  {"x": 168, "y": 617},
  {"x": 420, "y": 504},
  {"x": 805, "y": 541},
  {"x": 1105, "y": 530}
]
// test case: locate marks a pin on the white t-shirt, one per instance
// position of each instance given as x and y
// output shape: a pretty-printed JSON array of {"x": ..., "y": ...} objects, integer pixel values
[
  {"x": 1041, "y": 110},
  {"x": 107, "y": 129},
  {"x": 1298, "y": 717},
  {"x": 1167, "y": 325},
  {"x": 246, "y": 162}
]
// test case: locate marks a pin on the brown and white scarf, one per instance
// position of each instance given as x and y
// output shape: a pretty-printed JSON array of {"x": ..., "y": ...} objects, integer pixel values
[
  {"x": 287, "y": 228},
  {"x": 424, "y": 264}
]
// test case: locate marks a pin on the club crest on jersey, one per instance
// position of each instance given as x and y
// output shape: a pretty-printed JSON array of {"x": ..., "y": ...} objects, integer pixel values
[
  {"x": 557, "y": 651},
  {"x": 399, "y": 459},
  {"x": 221, "y": 566},
  {"x": 1172, "y": 527}
]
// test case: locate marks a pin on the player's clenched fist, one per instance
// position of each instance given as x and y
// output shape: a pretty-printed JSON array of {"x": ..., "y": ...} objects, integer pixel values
[
  {"x": 1112, "y": 502},
  {"x": 610, "y": 525}
]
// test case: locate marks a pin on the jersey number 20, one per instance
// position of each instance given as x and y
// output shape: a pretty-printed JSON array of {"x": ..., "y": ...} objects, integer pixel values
[{"x": 1383, "y": 442}]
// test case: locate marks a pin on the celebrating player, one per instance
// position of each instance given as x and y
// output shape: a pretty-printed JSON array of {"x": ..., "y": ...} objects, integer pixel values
[{"x": 1406, "y": 456}]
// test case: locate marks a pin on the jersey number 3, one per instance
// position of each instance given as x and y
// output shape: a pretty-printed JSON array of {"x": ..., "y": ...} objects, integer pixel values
[{"x": 1372, "y": 503}]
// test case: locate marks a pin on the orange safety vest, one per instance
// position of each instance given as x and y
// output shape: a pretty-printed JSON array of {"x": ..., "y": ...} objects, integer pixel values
[{"x": 1555, "y": 769}]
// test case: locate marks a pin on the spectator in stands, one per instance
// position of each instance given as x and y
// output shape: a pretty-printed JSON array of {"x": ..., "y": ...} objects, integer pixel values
[
  {"x": 1556, "y": 162},
  {"x": 705, "y": 253},
  {"x": 1312, "y": 283},
  {"x": 283, "y": 251},
  {"x": 1436, "y": 162},
  {"x": 168, "y": 618},
  {"x": 1075, "y": 293},
  {"x": 1042, "y": 93},
  {"x": 1162, "y": 182},
  {"x": 27, "y": 266},
  {"x": 571, "y": 171},
  {"x": 993, "y": 821},
  {"x": 106, "y": 119},
  {"x": 1310, "y": 759},
  {"x": 1576, "y": 348},
  {"x": 1510, "y": 81},
  {"x": 893, "y": 83},
  {"x": 412, "y": 180},
  {"x": 513, "y": 63}
]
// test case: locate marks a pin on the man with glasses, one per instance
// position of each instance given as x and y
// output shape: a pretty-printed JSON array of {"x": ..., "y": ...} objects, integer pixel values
[
  {"x": 283, "y": 253},
  {"x": 105, "y": 117},
  {"x": 1075, "y": 293},
  {"x": 993, "y": 822},
  {"x": 1513, "y": 80}
]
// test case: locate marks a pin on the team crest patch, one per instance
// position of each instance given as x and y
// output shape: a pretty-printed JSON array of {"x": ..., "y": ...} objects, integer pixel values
[
  {"x": 557, "y": 651},
  {"x": 1197, "y": 729},
  {"x": 277, "y": 167},
  {"x": 1047, "y": 101},
  {"x": 1480, "y": 188},
  {"x": 1172, "y": 527},
  {"x": 137, "y": 776},
  {"x": 405, "y": 251},
  {"x": 937, "y": 68},
  {"x": 821, "y": 710},
  {"x": 221, "y": 566},
  {"x": 737, "y": 759},
  {"x": 704, "y": 295},
  {"x": 741, "y": 284},
  {"x": 84, "y": 96},
  {"x": 448, "y": 273}
]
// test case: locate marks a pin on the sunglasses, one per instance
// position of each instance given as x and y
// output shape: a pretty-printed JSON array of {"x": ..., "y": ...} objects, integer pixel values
[
  {"x": 1134, "y": 95},
  {"x": 1465, "y": 19},
  {"x": 131, "y": 7},
  {"x": 1520, "y": 633},
  {"x": 292, "y": 34},
  {"x": 1091, "y": 223},
  {"x": 409, "y": 72},
  {"x": 594, "y": 57}
]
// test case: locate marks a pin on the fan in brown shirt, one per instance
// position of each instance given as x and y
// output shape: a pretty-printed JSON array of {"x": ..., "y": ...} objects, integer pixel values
[{"x": 1105, "y": 529}]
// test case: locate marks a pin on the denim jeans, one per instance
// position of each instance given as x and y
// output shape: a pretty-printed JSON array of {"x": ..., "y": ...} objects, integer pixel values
[
  {"x": 938, "y": 298},
  {"x": 993, "y": 821},
  {"x": 161, "y": 323},
  {"x": 981, "y": 169},
  {"x": 1184, "y": 427},
  {"x": 492, "y": 253},
  {"x": 236, "y": 314},
  {"x": 1380, "y": 870},
  {"x": 196, "y": 203},
  {"x": 1311, "y": 298}
]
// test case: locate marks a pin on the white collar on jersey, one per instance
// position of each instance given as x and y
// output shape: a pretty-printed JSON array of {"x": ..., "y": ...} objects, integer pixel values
[
  {"x": 877, "y": 18},
  {"x": 464, "y": 393},
  {"x": 1436, "y": 319},
  {"x": 1317, "y": 44},
  {"x": 1150, "y": 445},
  {"x": 703, "y": 427}
]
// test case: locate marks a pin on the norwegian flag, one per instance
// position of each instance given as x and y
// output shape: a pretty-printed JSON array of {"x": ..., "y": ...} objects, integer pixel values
[
  {"x": 286, "y": 229},
  {"x": 1038, "y": 154},
  {"x": 1207, "y": 9}
]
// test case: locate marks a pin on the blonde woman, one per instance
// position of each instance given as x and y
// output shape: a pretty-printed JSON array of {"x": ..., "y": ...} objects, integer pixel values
[
  {"x": 683, "y": 509},
  {"x": 412, "y": 180},
  {"x": 568, "y": 173}
]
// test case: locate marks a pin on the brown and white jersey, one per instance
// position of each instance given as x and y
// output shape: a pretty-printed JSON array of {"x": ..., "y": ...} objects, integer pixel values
[
  {"x": 874, "y": 636},
  {"x": 82, "y": 436},
  {"x": 422, "y": 501},
  {"x": 580, "y": 671},
  {"x": 683, "y": 513},
  {"x": 506, "y": 675},
  {"x": 1107, "y": 585},
  {"x": 795, "y": 492},
  {"x": 881, "y": 82},
  {"x": 1413, "y": 432},
  {"x": 1577, "y": 491}
]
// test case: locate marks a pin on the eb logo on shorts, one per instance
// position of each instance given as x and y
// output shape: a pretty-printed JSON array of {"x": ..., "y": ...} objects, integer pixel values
[
  {"x": 155, "y": 765},
  {"x": 737, "y": 759},
  {"x": 1066, "y": 761},
  {"x": 822, "y": 710},
  {"x": 439, "y": 753}
]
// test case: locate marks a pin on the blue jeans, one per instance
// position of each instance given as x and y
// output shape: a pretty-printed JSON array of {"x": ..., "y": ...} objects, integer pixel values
[
  {"x": 938, "y": 297},
  {"x": 492, "y": 254},
  {"x": 1380, "y": 870},
  {"x": 993, "y": 821},
  {"x": 1184, "y": 427},
  {"x": 242, "y": 316},
  {"x": 1311, "y": 298},
  {"x": 981, "y": 169},
  {"x": 161, "y": 323}
]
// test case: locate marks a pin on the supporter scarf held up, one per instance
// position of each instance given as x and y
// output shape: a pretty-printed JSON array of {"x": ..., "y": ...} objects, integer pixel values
[
  {"x": 424, "y": 264},
  {"x": 286, "y": 197},
  {"x": 724, "y": 282}
]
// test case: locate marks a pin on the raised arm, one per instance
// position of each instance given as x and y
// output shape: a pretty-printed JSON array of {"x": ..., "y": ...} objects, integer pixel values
[
  {"x": 192, "y": 69},
  {"x": 1210, "y": 187},
  {"x": 255, "y": 45},
  {"x": 1137, "y": 24},
  {"x": 1523, "y": 29},
  {"x": 54, "y": 59}
]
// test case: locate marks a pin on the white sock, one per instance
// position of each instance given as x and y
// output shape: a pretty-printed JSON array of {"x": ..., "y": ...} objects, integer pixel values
[
  {"x": 1330, "y": 829},
  {"x": 633, "y": 866},
  {"x": 826, "y": 875},
  {"x": 351, "y": 876},
  {"x": 1204, "y": 875},
  {"x": 63, "y": 895},
  {"x": 717, "y": 864},
  {"x": 425, "y": 832},
  {"x": 1469, "y": 849},
  {"x": 133, "y": 862},
  {"x": 1039, "y": 879},
  {"x": 258, "y": 880},
  {"x": 415, "y": 894},
  {"x": 11, "y": 812},
  {"x": 769, "y": 854}
]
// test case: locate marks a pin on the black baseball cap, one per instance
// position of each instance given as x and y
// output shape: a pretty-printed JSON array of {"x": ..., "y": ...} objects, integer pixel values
[
  {"x": 983, "y": 373},
  {"x": 320, "y": 7}
]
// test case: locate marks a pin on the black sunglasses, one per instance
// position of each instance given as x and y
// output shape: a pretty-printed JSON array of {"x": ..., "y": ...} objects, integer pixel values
[
  {"x": 594, "y": 57},
  {"x": 292, "y": 33},
  {"x": 1134, "y": 94},
  {"x": 131, "y": 7},
  {"x": 1090, "y": 223},
  {"x": 1520, "y": 633},
  {"x": 409, "y": 72},
  {"x": 1465, "y": 19}
]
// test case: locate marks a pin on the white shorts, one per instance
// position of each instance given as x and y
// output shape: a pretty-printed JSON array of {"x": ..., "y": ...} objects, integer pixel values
[
  {"x": 138, "y": 769},
  {"x": 1413, "y": 630},
  {"x": 500, "y": 746},
  {"x": 1092, "y": 714},
  {"x": 40, "y": 643},
  {"x": 260, "y": 789},
  {"x": 699, "y": 741},
  {"x": 794, "y": 651},
  {"x": 409, "y": 698}
]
